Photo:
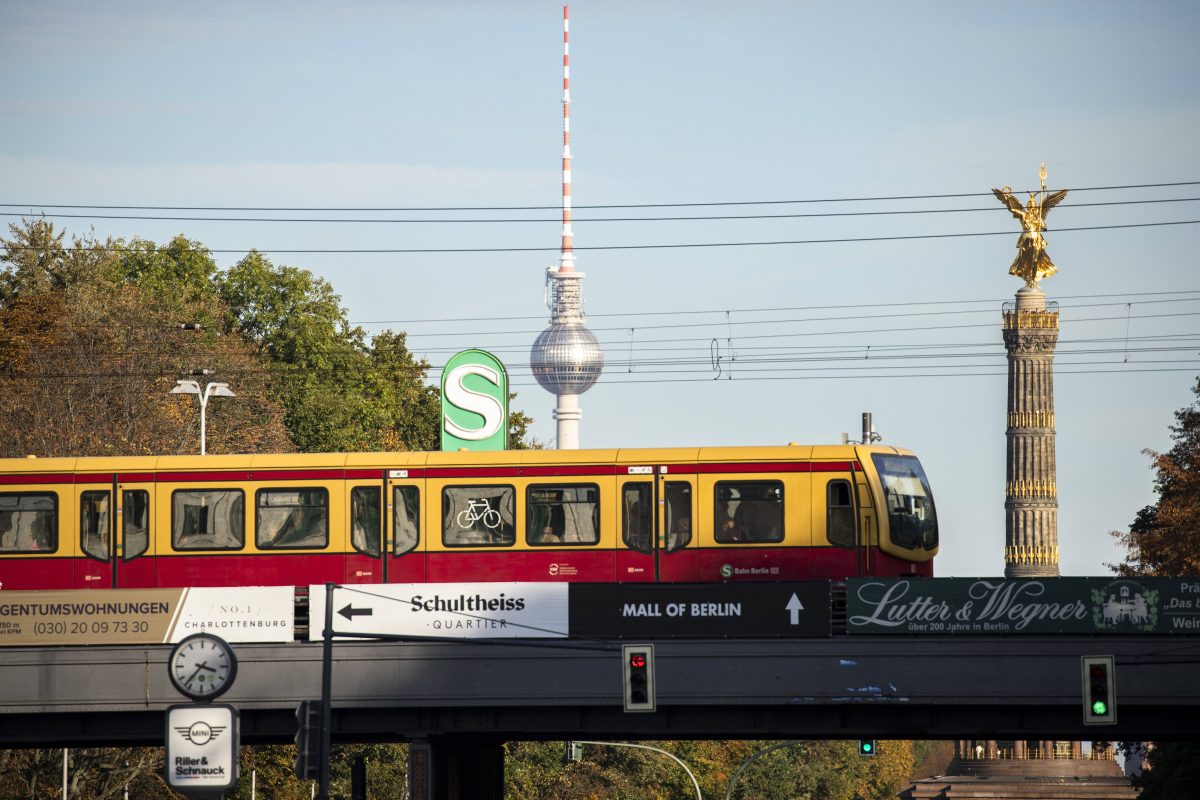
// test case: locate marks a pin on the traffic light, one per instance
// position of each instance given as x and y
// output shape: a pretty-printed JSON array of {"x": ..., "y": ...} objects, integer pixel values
[
  {"x": 574, "y": 752},
  {"x": 638, "y": 670},
  {"x": 308, "y": 740},
  {"x": 866, "y": 747},
  {"x": 1099, "y": 690}
]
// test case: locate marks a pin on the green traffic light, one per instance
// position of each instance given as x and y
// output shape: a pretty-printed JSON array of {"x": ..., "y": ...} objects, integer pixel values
[{"x": 1099, "y": 708}]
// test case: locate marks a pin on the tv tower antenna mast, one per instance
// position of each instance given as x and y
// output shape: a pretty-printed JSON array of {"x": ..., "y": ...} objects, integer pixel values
[{"x": 566, "y": 358}]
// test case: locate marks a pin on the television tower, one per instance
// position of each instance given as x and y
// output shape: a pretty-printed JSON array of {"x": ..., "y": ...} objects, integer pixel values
[{"x": 566, "y": 358}]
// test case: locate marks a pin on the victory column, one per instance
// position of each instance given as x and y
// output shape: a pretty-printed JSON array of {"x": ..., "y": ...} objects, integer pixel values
[{"x": 1030, "y": 335}]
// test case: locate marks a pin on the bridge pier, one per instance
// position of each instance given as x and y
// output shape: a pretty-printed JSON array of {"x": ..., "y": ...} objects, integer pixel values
[{"x": 456, "y": 768}]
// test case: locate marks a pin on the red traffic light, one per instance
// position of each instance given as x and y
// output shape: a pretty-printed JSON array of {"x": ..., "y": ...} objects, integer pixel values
[{"x": 637, "y": 660}]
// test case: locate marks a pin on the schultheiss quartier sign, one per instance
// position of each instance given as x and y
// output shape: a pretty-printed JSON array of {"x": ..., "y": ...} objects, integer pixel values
[{"x": 1023, "y": 606}]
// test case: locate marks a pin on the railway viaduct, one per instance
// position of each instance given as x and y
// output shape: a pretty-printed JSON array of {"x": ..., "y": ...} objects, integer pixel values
[{"x": 466, "y": 698}]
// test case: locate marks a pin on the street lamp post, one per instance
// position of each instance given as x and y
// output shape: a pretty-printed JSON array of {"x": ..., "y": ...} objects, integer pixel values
[{"x": 214, "y": 389}]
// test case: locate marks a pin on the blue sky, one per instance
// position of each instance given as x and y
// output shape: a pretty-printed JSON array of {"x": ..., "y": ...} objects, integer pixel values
[{"x": 421, "y": 104}]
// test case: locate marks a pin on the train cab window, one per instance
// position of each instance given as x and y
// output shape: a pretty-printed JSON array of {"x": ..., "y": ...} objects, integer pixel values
[
  {"x": 478, "y": 516},
  {"x": 637, "y": 516},
  {"x": 748, "y": 511},
  {"x": 28, "y": 522},
  {"x": 208, "y": 519},
  {"x": 291, "y": 518},
  {"x": 912, "y": 518},
  {"x": 93, "y": 524},
  {"x": 562, "y": 514},
  {"x": 365, "y": 528},
  {"x": 839, "y": 518},
  {"x": 679, "y": 515},
  {"x": 406, "y": 511},
  {"x": 135, "y": 514}
]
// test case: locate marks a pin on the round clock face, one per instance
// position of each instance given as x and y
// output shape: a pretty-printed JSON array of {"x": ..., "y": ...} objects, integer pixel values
[{"x": 202, "y": 666}]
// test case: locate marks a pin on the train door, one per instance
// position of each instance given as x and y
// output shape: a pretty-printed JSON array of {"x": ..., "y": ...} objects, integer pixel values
[
  {"x": 405, "y": 552},
  {"x": 385, "y": 530},
  {"x": 114, "y": 537},
  {"x": 836, "y": 542},
  {"x": 656, "y": 519},
  {"x": 364, "y": 558}
]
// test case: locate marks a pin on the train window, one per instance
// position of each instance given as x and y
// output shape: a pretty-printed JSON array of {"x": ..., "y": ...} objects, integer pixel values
[
  {"x": 637, "y": 516},
  {"x": 292, "y": 518},
  {"x": 93, "y": 524},
  {"x": 748, "y": 511},
  {"x": 562, "y": 514},
  {"x": 208, "y": 519},
  {"x": 679, "y": 515},
  {"x": 365, "y": 530},
  {"x": 478, "y": 516},
  {"x": 839, "y": 518},
  {"x": 28, "y": 522},
  {"x": 135, "y": 511},
  {"x": 912, "y": 518},
  {"x": 406, "y": 509}
]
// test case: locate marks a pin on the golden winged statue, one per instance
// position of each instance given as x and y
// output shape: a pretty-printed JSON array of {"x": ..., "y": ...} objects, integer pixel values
[{"x": 1032, "y": 263}]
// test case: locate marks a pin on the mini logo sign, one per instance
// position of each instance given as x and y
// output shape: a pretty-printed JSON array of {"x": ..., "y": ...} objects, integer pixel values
[
  {"x": 474, "y": 402},
  {"x": 201, "y": 749},
  {"x": 200, "y": 733}
]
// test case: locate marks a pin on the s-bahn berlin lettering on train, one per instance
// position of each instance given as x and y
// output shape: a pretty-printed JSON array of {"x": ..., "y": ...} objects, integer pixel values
[{"x": 731, "y": 514}]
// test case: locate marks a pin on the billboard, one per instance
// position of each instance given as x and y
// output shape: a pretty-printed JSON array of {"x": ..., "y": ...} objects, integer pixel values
[{"x": 1023, "y": 606}]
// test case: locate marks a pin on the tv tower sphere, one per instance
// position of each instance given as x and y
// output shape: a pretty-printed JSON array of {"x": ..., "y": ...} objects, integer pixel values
[{"x": 566, "y": 357}]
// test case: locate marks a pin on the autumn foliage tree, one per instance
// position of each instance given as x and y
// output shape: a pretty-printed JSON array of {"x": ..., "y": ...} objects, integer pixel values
[{"x": 1164, "y": 538}]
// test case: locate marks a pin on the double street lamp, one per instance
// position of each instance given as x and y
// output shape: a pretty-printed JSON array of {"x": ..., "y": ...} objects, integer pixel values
[{"x": 213, "y": 389}]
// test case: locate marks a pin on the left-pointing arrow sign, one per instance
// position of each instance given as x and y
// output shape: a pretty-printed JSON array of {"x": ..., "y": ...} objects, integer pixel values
[{"x": 350, "y": 612}]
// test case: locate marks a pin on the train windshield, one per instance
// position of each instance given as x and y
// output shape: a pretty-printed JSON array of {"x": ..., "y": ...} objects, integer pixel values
[{"x": 911, "y": 515}]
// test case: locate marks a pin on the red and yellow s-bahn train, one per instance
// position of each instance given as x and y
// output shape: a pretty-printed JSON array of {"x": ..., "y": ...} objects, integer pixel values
[{"x": 684, "y": 514}]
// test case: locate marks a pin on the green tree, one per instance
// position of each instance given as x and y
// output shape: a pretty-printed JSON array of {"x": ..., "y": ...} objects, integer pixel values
[
  {"x": 39, "y": 262},
  {"x": 1172, "y": 772},
  {"x": 341, "y": 394}
]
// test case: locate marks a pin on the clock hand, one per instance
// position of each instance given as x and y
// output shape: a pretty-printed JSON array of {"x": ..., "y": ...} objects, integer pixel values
[{"x": 200, "y": 666}]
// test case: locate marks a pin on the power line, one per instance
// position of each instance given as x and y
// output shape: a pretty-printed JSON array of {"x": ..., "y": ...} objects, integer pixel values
[
  {"x": 878, "y": 198},
  {"x": 87, "y": 379},
  {"x": 765, "y": 309},
  {"x": 511, "y": 220},
  {"x": 675, "y": 246}
]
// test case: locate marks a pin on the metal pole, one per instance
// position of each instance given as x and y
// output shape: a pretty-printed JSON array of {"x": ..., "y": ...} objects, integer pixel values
[
  {"x": 753, "y": 757},
  {"x": 64, "y": 786},
  {"x": 203, "y": 405},
  {"x": 326, "y": 690},
  {"x": 695, "y": 783}
]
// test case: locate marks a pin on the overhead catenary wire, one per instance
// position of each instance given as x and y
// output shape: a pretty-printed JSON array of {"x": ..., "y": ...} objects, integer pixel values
[
  {"x": 355, "y": 209},
  {"x": 542, "y": 220},
  {"x": 100, "y": 248}
]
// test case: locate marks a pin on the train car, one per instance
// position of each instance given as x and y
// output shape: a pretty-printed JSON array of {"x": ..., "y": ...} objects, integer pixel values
[{"x": 684, "y": 514}]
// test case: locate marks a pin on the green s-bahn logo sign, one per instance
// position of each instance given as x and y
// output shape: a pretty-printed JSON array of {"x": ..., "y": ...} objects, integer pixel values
[{"x": 474, "y": 402}]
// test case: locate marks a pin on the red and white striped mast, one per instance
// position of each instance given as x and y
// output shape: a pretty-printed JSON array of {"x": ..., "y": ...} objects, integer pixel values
[
  {"x": 566, "y": 358},
  {"x": 566, "y": 259}
]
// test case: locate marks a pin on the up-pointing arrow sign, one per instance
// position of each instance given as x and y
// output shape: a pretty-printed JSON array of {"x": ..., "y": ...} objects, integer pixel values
[{"x": 794, "y": 607}]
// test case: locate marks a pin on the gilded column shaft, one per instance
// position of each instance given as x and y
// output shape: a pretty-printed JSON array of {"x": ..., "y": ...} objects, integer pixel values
[{"x": 1031, "y": 493}]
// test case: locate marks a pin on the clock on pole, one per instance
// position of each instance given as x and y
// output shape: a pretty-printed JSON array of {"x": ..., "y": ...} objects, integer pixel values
[{"x": 202, "y": 666}]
